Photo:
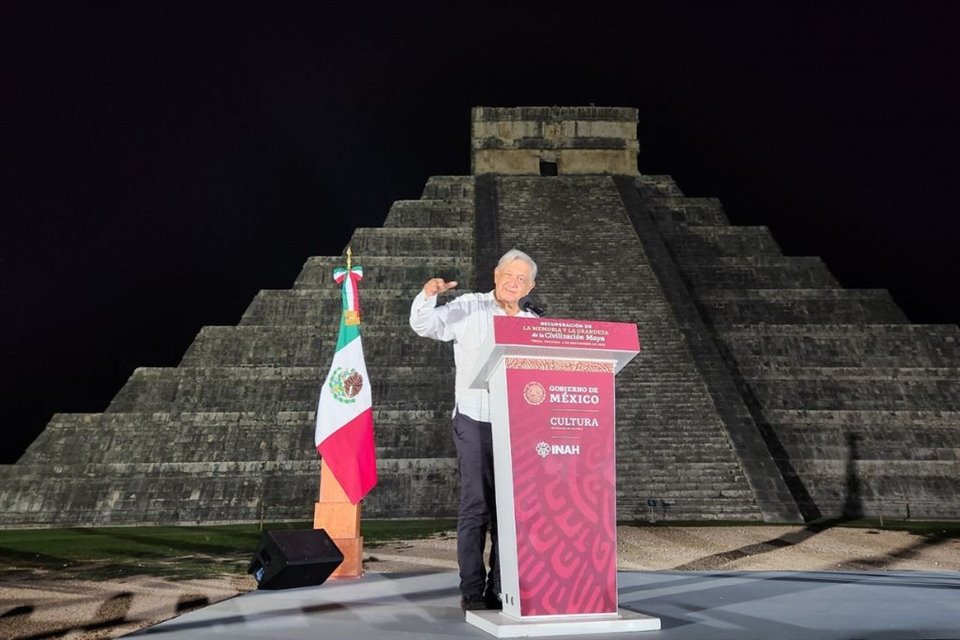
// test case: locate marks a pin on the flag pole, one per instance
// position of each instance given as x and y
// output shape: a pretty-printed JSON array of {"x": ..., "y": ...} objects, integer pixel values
[{"x": 335, "y": 514}]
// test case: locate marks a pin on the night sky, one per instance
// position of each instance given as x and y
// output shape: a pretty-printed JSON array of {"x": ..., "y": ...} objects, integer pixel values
[{"x": 163, "y": 162}]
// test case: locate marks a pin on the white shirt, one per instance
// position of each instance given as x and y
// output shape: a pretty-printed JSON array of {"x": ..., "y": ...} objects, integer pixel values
[{"x": 465, "y": 320}]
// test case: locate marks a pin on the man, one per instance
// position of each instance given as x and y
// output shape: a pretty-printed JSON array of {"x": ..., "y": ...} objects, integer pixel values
[{"x": 467, "y": 320}]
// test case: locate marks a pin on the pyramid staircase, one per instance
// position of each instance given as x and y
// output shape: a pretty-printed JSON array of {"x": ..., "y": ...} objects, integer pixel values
[
  {"x": 764, "y": 391},
  {"x": 859, "y": 408},
  {"x": 227, "y": 435}
]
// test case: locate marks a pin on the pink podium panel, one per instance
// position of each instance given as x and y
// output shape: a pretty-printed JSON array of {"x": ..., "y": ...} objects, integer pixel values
[{"x": 562, "y": 423}]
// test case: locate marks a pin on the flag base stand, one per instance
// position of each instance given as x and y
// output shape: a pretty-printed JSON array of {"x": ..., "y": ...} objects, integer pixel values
[{"x": 335, "y": 514}]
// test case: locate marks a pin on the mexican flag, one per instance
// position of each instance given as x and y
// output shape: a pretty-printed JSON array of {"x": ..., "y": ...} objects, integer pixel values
[{"x": 344, "y": 434}]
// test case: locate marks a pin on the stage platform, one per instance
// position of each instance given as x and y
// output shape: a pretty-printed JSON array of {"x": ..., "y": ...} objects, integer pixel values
[{"x": 691, "y": 605}]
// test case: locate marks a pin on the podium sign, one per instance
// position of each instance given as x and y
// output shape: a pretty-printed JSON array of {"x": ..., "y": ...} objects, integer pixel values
[
  {"x": 576, "y": 339},
  {"x": 562, "y": 453},
  {"x": 552, "y": 392}
]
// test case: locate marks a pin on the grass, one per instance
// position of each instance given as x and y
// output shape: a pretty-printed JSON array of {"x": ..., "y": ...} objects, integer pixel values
[{"x": 187, "y": 552}]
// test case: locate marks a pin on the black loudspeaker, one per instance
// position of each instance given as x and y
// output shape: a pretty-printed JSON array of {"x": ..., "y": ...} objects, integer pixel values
[{"x": 294, "y": 558}]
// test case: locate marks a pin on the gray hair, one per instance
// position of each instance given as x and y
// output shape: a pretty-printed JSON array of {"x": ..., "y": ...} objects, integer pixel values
[{"x": 516, "y": 254}]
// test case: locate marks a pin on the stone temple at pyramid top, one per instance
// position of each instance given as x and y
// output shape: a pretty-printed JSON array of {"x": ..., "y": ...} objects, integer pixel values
[{"x": 554, "y": 140}]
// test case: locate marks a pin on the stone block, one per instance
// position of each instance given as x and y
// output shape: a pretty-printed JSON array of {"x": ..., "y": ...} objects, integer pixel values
[
  {"x": 429, "y": 214},
  {"x": 449, "y": 188},
  {"x": 763, "y": 272},
  {"x": 800, "y": 306}
]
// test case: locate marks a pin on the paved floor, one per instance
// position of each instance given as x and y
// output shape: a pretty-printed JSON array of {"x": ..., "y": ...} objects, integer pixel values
[
  {"x": 45, "y": 604},
  {"x": 821, "y": 605}
]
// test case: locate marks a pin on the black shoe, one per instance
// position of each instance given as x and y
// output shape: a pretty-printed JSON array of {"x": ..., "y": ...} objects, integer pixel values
[
  {"x": 472, "y": 602},
  {"x": 493, "y": 599}
]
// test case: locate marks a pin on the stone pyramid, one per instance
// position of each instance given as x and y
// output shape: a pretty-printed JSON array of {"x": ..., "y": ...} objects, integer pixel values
[{"x": 765, "y": 390}]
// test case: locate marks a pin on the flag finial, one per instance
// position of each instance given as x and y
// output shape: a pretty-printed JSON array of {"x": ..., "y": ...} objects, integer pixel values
[{"x": 349, "y": 258}]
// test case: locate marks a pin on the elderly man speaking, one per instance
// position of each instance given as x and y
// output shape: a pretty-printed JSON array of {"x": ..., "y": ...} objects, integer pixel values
[{"x": 467, "y": 320}]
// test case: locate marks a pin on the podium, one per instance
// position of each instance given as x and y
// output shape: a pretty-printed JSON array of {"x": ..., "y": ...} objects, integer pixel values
[{"x": 551, "y": 384}]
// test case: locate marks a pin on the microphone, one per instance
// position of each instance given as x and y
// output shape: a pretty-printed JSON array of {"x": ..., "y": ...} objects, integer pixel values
[{"x": 527, "y": 305}]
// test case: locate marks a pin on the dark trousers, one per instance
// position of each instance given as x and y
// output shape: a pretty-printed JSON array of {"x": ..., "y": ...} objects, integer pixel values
[{"x": 478, "y": 506}]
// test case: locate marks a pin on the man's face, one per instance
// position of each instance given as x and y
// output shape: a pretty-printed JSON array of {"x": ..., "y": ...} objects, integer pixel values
[{"x": 512, "y": 281}]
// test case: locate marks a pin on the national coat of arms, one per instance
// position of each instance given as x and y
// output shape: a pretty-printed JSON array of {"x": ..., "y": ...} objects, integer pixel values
[{"x": 345, "y": 384}]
